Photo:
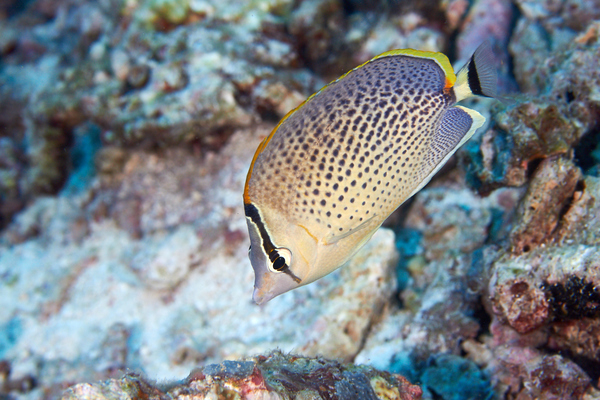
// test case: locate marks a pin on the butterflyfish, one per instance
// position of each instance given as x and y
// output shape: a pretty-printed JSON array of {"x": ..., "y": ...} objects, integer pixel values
[{"x": 337, "y": 166}]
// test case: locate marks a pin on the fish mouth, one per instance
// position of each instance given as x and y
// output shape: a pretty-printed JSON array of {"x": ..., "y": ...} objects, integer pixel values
[
  {"x": 262, "y": 281},
  {"x": 260, "y": 297},
  {"x": 263, "y": 287},
  {"x": 268, "y": 285}
]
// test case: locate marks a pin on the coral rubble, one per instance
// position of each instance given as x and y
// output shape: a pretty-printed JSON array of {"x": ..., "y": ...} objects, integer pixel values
[{"x": 273, "y": 376}]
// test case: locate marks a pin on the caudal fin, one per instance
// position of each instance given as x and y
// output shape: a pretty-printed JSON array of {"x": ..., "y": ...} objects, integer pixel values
[{"x": 478, "y": 76}]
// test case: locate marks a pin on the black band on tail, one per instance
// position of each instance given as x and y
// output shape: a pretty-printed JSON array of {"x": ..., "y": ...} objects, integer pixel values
[{"x": 473, "y": 77}]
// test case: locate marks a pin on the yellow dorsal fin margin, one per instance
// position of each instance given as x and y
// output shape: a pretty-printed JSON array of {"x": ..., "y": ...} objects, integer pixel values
[{"x": 439, "y": 58}]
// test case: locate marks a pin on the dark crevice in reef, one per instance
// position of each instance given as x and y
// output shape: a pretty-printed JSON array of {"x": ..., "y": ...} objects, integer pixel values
[
  {"x": 587, "y": 151},
  {"x": 532, "y": 166},
  {"x": 516, "y": 16},
  {"x": 576, "y": 299},
  {"x": 268, "y": 115},
  {"x": 483, "y": 319},
  {"x": 579, "y": 188},
  {"x": 394, "y": 7},
  {"x": 349, "y": 7},
  {"x": 591, "y": 367},
  {"x": 435, "y": 395},
  {"x": 15, "y": 7}
]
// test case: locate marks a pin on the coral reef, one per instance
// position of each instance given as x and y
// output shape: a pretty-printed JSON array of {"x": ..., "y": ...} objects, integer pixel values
[
  {"x": 274, "y": 376},
  {"x": 525, "y": 373},
  {"x": 441, "y": 298},
  {"x": 126, "y": 131},
  {"x": 522, "y": 262},
  {"x": 563, "y": 112},
  {"x": 137, "y": 81},
  {"x": 138, "y": 271}
]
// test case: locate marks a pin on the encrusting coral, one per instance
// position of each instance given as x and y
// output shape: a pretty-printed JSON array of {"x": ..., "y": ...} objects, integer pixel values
[{"x": 274, "y": 376}]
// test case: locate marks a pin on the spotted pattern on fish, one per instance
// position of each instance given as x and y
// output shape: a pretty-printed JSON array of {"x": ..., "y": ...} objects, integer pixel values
[{"x": 353, "y": 153}]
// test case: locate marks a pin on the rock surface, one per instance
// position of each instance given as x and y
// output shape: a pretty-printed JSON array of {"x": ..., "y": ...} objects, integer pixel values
[
  {"x": 275, "y": 376},
  {"x": 170, "y": 301}
]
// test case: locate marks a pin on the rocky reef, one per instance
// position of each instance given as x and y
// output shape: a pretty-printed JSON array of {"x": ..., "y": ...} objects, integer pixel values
[
  {"x": 126, "y": 131},
  {"x": 275, "y": 376}
]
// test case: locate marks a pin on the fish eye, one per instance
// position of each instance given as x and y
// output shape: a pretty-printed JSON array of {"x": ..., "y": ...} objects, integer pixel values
[
  {"x": 280, "y": 259},
  {"x": 279, "y": 263}
]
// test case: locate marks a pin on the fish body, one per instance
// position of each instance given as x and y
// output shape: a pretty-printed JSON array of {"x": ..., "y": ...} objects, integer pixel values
[{"x": 338, "y": 165}]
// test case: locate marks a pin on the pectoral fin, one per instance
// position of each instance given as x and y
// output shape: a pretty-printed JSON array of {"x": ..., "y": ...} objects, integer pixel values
[{"x": 334, "y": 238}]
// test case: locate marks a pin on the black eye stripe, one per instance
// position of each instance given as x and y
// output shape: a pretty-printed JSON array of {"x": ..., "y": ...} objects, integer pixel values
[{"x": 252, "y": 213}]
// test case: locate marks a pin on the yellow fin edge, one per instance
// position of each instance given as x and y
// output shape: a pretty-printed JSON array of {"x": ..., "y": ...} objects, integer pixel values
[{"x": 438, "y": 57}]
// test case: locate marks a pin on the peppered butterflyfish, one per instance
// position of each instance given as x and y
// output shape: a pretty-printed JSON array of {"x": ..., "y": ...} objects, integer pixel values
[{"x": 338, "y": 165}]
